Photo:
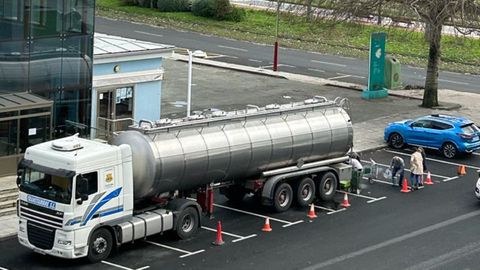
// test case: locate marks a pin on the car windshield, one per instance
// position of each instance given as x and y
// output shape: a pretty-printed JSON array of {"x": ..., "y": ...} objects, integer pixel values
[
  {"x": 470, "y": 129},
  {"x": 52, "y": 187}
]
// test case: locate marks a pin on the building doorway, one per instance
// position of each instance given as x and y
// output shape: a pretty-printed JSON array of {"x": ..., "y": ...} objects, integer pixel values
[{"x": 114, "y": 111}]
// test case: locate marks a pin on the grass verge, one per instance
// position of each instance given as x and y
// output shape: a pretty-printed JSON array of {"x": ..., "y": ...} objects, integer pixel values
[{"x": 346, "y": 39}]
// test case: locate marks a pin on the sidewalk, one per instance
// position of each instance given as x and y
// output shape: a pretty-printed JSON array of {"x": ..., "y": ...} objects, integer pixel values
[{"x": 368, "y": 133}]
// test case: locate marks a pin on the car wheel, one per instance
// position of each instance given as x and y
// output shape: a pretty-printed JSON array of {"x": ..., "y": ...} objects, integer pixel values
[
  {"x": 396, "y": 141},
  {"x": 449, "y": 150}
]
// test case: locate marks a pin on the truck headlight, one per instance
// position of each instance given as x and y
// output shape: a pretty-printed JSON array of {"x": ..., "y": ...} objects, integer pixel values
[{"x": 64, "y": 242}]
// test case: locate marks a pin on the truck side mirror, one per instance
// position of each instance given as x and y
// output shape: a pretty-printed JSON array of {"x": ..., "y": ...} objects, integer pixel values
[{"x": 19, "y": 177}]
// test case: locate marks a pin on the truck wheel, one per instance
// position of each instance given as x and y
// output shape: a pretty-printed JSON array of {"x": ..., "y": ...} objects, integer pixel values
[
  {"x": 235, "y": 193},
  {"x": 100, "y": 245},
  {"x": 187, "y": 223},
  {"x": 327, "y": 186},
  {"x": 283, "y": 197},
  {"x": 305, "y": 192}
]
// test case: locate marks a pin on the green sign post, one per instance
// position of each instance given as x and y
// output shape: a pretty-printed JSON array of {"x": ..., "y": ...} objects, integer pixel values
[{"x": 376, "y": 79}]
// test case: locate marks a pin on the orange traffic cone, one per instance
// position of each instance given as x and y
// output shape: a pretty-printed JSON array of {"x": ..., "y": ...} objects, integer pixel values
[
  {"x": 428, "y": 181},
  {"x": 219, "y": 240},
  {"x": 345, "y": 202},
  {"x": 461, "y": 170},
  {"x": 405, "y": 186},
  {"x": 266, "y": 227},
  {"x": 311, "y": 213}
]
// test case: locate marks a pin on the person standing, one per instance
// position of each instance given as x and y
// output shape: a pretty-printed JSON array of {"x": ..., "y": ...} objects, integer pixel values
[
  {"x": 424, "y": 163},
  {"x": 416, "y": 168},
  {"x": 397, "y": 165}
]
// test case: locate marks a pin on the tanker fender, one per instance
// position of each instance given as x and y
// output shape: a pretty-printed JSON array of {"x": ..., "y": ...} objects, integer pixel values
[{"x": 179, "y": 204}]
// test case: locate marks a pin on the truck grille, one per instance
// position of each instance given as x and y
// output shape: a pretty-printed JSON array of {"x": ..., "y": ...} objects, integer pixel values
[
  {"x": 40, "y": 236},
  {"x": 41, "y": 215}
]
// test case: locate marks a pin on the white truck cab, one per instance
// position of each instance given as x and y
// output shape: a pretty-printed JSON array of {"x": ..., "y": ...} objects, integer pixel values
[{"x": 68, "y": 188}]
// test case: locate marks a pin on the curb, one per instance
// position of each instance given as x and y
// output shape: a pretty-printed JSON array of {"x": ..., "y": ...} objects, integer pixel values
[{"x": 8, "y": 237}]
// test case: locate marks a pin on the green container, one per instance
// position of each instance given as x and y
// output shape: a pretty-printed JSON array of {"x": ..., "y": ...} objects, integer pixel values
[
  {"x": 392, "y": 73},
  {"x": 356, "y": 178}
]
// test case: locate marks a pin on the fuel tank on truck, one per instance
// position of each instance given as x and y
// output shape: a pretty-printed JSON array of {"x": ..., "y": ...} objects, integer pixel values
[{"x": 183, "y": 154}]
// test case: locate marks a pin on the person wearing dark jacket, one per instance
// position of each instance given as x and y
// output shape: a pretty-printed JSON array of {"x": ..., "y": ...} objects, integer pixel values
[{"x": 397, "y": 165}]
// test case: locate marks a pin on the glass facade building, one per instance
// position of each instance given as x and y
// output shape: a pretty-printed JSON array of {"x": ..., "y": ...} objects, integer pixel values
[{"x": 46, "y": 48}]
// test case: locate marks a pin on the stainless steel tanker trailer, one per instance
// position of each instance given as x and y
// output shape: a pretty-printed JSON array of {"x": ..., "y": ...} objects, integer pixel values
[{"x": 81, "y": 197}]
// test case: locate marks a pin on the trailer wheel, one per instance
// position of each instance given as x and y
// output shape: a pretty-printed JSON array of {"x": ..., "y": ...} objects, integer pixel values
[
  {"x": 235, "y": 193},
  {"x": 327, "y": 186},
  {"x": 283, "y": 197},
  {"x": 187, "y": 223},
  {"x": 305, "y": 191},
  {"x": 100, "y": 245}
]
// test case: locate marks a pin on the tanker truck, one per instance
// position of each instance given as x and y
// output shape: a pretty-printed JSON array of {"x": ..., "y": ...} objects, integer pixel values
[{"x": 81, "y": 198}]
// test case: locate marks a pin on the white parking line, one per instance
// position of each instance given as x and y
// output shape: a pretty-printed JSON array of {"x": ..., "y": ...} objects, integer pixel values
[
  {"x": 255, "y": 60},
  {"x": 339, "y": 77},
  {"x": 233, "y": 48},
  {"x": 379, "y": 181},
  {"x": 149, "y": 34},
  {"x": 436, "y": 160},
  {"x": 287, "y": 223},
  {"x": 451, "y": 178},
  {"x": 371, "y": 199},
  {"x": 187, "y": 253},
  {"x": 112, "y": 264},
  {"x": 324, "y": 208},
  {"x": 328, "y": 63},
  {"x": 336, "y": 211},
  {"x": 1, "y": 268},
  {"x": 388, "y": 166},
  {"x": 317, "y": 70},
  {"x": 239, "y": 238},
  {"x": 454, "y": 82},
  {"x": 353, "y": 76}
]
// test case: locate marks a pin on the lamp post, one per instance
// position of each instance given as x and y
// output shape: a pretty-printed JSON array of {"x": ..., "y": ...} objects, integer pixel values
[{"x": 275, "y": 49}]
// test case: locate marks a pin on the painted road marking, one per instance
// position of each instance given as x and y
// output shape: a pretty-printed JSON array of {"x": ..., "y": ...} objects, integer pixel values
[
  {"x": 255, "y": 60},
  {"x": 233, "y": 48},
  {"x": 317, "y": 70},
  {"x": 330, "y": 211},
  {"x": 371, "y": 199},
  {"x": 221, "y": 56},
  {"x": 388, "y": 166},
  {"x": 287, "y": 223},
  {"x": 451, "y": 178},
  {"x": 239, "y": 238},
  {"x": 112, "y": 264},
  {"x": 150, "y": 34},
  {"x": 454, "y": 82},
  {"x": 328, "y": 63},
  {"x": 353, "y": 76},
  {"x": 1, "y": 268},
  {"x": 393, "y": 241},
  {"x": 378, "y": 180},
  {"x": 187, "y": 253},
  {"x": 279, "y": 65},
  {"x": 436, "y": 160},
  {"x": 339, "y": 77}
]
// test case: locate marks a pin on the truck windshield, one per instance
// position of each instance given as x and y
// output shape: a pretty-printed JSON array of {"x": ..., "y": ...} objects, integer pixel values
[{"x": 52, "y": 187}]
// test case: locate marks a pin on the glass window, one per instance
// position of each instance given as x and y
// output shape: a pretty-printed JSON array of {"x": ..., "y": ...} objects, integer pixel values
[
  {"x": 8, "y": 137},
  {"x": 470, "y": 129},
  {"x": 92, "y": 183},
  {"x": 11, "y": 19},
  {"x": 76, "y": 62},
  {"x": 14, "y": 66},
  {"x": 422, "y": 124},
  {"x": 46, "y": 18},
  {"x": 53, "y": 187},
  {"x": 441, "y": 126},
  {"x": 45, "y": 64},
  {"x": 33, "y": 131}
]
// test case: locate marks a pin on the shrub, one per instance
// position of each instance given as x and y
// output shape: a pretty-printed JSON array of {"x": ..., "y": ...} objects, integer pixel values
[
  {"x": 203, "y": 8},
  {"x": 221, "y": 8},
  {"x": 236, "y": 15},
  {"x": 173, "y": 5},
  {"x": 129, "y": 2}
]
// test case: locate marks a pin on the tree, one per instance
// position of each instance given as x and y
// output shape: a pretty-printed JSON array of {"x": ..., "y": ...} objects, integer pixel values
[{"x": 462, "y": 14}]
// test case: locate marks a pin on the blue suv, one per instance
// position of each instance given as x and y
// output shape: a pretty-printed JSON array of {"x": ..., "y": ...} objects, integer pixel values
[{"x": 449, "y": 134}]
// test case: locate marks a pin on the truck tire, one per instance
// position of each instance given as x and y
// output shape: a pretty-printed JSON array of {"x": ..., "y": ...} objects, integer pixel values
[
  {"x": 235, "y": 193},
  {"x": 305, "y": 191},
  {"x": 283, "y": 197},
  {"x": 187, "y": 223},
  {"x": 327, "y": 186},
  {"x": 100, "y": 245}
]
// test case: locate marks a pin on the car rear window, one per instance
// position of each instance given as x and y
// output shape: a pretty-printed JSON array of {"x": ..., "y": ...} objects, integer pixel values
[{"x": 470, "y": 129}]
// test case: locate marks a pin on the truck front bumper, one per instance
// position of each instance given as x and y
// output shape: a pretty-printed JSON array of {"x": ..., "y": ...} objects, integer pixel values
[{"x": 63, "y": 243}]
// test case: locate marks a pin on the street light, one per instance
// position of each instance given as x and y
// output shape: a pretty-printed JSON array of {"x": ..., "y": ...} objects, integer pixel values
[{"x": 275, "y": 49}]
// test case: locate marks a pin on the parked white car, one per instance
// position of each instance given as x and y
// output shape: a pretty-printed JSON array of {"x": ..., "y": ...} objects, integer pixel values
[{"x": 477, "y": 186}]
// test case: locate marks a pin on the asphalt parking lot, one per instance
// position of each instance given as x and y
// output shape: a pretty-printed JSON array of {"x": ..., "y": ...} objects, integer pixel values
[{"x": 242, "y": 227}]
